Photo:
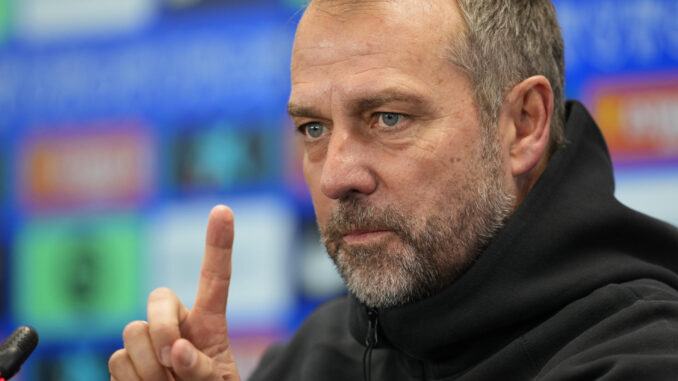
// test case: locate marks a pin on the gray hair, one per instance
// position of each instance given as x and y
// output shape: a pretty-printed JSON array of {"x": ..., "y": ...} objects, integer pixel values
[{"x": 505, "y": 42}]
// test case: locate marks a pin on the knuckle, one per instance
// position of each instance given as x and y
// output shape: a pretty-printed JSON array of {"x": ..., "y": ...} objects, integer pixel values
[
  {"x": 161, "y": 330},
  {"x": 160, "y": 293},
  {"x": 116, "y": 360},
  {"x": 134, "y": 329}
]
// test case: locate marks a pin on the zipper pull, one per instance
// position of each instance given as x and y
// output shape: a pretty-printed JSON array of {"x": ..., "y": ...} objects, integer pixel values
[
  {"x": 372, "y": 336},
  {"x": 370, "y": 341}
]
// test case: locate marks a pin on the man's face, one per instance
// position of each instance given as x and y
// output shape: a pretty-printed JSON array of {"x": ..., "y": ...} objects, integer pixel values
[{"x": 405, "y": 185}]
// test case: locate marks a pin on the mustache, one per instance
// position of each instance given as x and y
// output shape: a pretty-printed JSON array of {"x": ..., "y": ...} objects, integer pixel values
[{"x": 358, "y": 214}]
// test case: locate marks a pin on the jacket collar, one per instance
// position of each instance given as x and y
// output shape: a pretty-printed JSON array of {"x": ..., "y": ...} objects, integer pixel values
[{"x": 539, "y": 262}]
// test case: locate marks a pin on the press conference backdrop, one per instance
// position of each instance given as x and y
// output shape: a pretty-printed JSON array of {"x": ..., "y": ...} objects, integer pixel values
[{"x": 122, "y": 122}]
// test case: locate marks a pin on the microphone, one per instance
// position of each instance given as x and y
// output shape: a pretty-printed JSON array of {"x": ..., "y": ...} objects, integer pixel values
[{"x": 15, "y": 350}]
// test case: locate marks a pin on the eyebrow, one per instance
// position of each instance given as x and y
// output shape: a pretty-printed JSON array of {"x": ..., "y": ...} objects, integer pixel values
[
  {"x": 360, "y": 104},
  {"x": 386, "y": 97},
  {"x": 295, "y": 110}
]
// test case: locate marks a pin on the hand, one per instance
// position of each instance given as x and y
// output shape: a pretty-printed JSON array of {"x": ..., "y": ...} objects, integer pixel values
[{"x": 181, "y": 345}]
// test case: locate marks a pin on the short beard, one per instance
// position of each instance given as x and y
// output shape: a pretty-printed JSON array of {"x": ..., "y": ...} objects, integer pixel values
[{"x": 430, "y": 253}]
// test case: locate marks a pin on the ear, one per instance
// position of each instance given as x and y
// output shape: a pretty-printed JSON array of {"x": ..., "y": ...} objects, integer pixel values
[{"x": 527, "y": 113}]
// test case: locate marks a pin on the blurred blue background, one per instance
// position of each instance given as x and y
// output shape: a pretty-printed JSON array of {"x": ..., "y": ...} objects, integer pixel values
[{"x": 122, "y": 122}]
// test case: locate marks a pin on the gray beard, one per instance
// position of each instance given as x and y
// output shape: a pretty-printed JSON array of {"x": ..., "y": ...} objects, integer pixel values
[{"x": 421, "y": 256}]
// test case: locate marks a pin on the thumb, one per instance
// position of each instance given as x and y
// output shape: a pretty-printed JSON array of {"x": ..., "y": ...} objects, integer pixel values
[{"x": 190, "y": 364}]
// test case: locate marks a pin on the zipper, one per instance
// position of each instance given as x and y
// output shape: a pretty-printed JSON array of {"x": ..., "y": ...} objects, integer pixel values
[{"x": 370, "y": 342}]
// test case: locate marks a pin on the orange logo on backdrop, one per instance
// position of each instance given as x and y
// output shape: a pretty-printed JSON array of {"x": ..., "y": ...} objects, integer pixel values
[
  {"x": 639, "y": 118},
  {"x": 80, "y": 169}
]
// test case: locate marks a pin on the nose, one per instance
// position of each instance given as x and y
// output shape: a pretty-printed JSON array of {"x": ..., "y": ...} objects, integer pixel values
[{"x": 348, "y": 166}]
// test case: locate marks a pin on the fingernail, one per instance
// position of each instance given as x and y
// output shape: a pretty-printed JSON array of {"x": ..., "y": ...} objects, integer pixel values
[
  {"x": 165, "y": 356},
  {"x": 188, "y": 356}
]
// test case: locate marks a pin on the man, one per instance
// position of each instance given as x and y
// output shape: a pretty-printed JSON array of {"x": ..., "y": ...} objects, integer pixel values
[{"x": 469, "y": 210}]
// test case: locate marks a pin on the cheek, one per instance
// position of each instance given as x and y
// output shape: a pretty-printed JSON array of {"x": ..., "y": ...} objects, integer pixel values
[
  {"x": 411, "y": 184},
  {"x": 322, "y": 212},
  {"x": 440, "y": 172},
  {"x": 321, "y": 203}
]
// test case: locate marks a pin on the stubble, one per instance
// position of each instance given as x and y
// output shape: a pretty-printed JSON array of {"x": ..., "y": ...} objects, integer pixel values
[{"x": 421, "y": 254}]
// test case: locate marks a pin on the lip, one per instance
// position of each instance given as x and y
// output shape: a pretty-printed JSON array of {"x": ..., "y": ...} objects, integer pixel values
[{"x": 363, "y": 236}]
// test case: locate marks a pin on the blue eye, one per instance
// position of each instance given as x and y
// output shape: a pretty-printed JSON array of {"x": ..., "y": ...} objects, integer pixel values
[
  {"x": 389, "y": 119},
  {"x": 313, "y": 129}
]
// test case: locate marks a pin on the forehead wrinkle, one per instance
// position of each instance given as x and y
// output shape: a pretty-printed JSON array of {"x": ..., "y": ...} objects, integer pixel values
[
  {"x": 313, "y": 57},
  {"x": 443, "y": 16},
  {"x": 344, "y": 8},
  {"x": 319, "y": 56}
]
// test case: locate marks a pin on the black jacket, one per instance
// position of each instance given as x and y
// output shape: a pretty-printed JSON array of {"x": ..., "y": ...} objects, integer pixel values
[{"x": 575, "y": 287}]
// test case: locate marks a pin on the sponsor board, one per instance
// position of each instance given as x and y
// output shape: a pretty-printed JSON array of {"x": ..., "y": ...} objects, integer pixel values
[
  {"x": 71, "y": 365},
  {"x": 84, "y": 168},
  {"x": 5, "y": 19},
  {"x": 77, "y": 276},
  {"x": 48, "y": 20},
  {"x": 221, "y": 157},
  {"x": 261, "y": 293},
  {"x": 638, "y": 116}
]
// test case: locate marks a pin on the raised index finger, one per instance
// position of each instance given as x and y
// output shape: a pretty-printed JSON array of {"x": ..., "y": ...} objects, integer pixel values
[{"x": 215, "y": 275}]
